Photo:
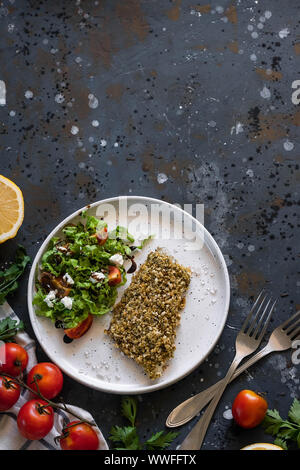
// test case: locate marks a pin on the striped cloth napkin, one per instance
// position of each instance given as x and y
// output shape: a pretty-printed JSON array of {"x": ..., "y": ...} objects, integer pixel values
[{"x": 10, "y": 438}]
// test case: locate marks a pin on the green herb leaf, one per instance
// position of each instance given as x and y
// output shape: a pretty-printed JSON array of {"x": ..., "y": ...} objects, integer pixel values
[
  {"x": 294, "y": 413},
  {"x": 129, "y": 409},
  {"x": 160, "y": 440},
  {"x": 272, "y": 422},
  {"x": 126, "y": 435},
  {"x": 284, "y": 430},
  {"x": 9, "y": 328},
  {"x": 9, "y": 276},
  {"x": 281, "y": 443}
]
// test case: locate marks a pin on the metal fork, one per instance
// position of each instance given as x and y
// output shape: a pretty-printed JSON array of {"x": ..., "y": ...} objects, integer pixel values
[
  {"x": 247, "y": 341},
  {"x": 281, "y": 339}
]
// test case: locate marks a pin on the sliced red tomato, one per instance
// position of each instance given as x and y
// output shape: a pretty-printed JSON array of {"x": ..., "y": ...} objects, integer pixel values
[
  {"x": 47, "y": 378},
  {"x": 80, "y": 329},
  {"x": 102, "y": 236},
  {"x": 35, "y": 419},
  {"x": 114, "y": 276},
  {"x": 9, "y": 393},
  {"x": 249, "y": 409},
  {"x": 15, "y": 359},
  {"x": 79, "y": 436}
]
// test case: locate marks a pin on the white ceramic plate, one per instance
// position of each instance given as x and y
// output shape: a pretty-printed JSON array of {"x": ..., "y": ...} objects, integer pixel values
[{"x": 93, "y": 360}]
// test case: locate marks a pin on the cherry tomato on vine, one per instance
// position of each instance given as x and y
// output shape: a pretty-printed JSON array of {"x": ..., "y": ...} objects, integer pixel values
[
  {"x": 80, "y": 329},
  {"x": 35, "y": 419},
  {"x": 9, "y": 393},
  {"x": 79, "y": 436},
  {"x": 15, "y": 357},
  {"x": 249, "y": 409},
  {"x": 48, "y": 377}
]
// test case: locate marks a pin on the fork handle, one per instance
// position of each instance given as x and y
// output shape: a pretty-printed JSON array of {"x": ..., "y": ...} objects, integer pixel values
[
  {"x": 194, "y": 439},
  {"x": 187, "y": 410}
]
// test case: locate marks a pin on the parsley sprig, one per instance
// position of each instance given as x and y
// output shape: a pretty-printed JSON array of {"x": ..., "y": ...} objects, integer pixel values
[
  {"x": 127, "y": 437},
  {"x": 9, "y": 328},
  {"x": 9, "y": 277},
  {"x": 285, "y": 430}
]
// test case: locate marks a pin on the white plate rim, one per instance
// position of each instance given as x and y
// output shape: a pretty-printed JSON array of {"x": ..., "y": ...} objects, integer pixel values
[{"x": 78, "y": 377}]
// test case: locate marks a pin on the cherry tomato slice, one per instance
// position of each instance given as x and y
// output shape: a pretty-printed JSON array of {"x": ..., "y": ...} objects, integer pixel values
[
  {"x": 249, "y": 409},
  {"x": 102, "y": 236},
  {"x": 114, "y": 276},
  {"x": 79, "y": 436},
  {"x": 80, "y": 329}
]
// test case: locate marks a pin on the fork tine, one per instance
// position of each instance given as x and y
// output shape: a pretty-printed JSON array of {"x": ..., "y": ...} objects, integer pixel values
[
  {"x": 292, "y": 327},
  {"x": 249, "y": 316},
  {"x": 260, "y": 320},
  {"x": 295, "y": 333},
  {"x": 283, "y": 325},
  {"x": 257, "y": 316},
  {"x": 267, "y": 321}
]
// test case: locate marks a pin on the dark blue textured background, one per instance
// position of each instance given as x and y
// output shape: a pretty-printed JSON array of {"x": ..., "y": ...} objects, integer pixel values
[{"x": 198, "y": 92}]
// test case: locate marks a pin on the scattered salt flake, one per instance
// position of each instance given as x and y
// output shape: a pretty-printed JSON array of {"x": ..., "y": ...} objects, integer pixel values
[
  {"x": 59, "y": 98},
  {"x": 74, "y": 130},
  {"x": 268, "y": 14},
  {"x": 28, "y": 94},
  {"x": 93, "y": 101},
  {"x": 250, "y": 173},
  {"x": 103, "y": 143},
  {"x": 95, "y": 123},
  {"x": 162, "y": 178},
  {"x": 288, "y": 145},
  {"x": 284, "y": 33},
  {"x": 265, "y": 93},
  {"x": 228, "y": 414}
]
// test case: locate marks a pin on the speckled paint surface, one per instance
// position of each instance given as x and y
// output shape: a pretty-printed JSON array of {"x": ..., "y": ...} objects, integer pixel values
[{"x": 178, "y": 100}]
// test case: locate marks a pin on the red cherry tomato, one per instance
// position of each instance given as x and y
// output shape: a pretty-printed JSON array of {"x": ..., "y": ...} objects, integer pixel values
[
  {"x": 79, "y": 436},
  {"x": 15, "y": 359},
  {"x": 249, "y": 409},
  {"x": 48, "y": 377},
  {"x": 9, "y": 393},
  {"x": 35, "y": 419},
  {"x": 102, "y": 236},
  {"x": 80, "y": 329},
  {"x": 114, "y": 276}
]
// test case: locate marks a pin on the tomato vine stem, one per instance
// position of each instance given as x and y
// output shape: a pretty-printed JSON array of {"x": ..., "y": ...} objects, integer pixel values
[{"x": 62, "y": 407}]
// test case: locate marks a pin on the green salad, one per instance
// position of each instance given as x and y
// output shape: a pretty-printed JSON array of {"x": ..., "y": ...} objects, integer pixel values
[{"x": 81, "y": 272}]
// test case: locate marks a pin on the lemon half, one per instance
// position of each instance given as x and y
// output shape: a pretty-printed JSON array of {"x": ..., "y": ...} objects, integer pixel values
[
  {"x": 11, "y": 209},
  {"x": 262, "y": 446}
]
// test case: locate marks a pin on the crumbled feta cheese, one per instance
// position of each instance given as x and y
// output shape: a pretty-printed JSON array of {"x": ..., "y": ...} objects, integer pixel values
[
  {"x": 67, "y": 302},
  {"x": 62, "y": 248},
  {"x": 117, "y": 259},
  {"x": 68, "y": 279},
  {"x": 50, "y": 297},
  {"x": 96, "y": 277}
]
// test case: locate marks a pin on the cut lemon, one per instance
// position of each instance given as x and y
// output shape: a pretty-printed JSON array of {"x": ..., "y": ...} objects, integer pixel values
[
  {"x": 262, "y": 446},
  {"x": 11, "y": 209}
]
